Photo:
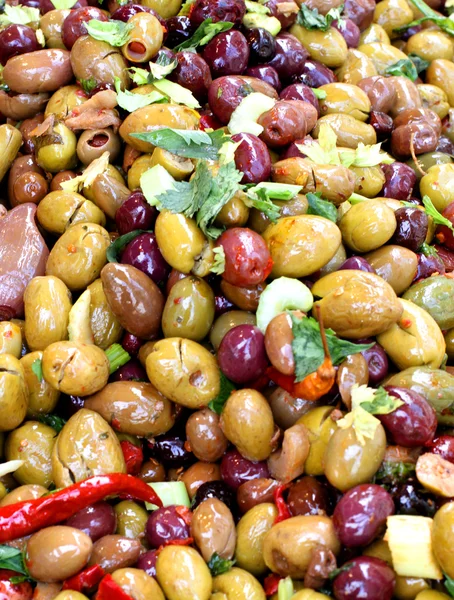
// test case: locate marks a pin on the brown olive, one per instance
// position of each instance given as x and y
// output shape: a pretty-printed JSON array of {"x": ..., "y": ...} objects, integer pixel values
[
  {"x": 113, "y": 552},
  {"x": 213, "y": 529},
  {"x": 254, "y": 492},
  {"x": 278, "y": 343},
  {"x": 200, "y": 473},
  {"x": 205, "y": 436},
  {"x": 152, "y": 470},
  {"x": 92, "y": 144},
  {"x": 246, "y": 298}
]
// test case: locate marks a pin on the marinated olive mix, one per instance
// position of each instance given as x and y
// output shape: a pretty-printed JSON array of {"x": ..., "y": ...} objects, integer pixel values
[{"x": 226, "y": 300}]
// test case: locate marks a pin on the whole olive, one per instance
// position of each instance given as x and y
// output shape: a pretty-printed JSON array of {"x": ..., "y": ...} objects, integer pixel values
[{"x": 33, "y": 443}]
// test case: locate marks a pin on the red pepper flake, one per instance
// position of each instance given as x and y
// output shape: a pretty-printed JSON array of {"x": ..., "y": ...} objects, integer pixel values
[
  {"x": 110, "y": 590},
  {"x": 116, "y": 424},
  {"x": 186, "y": 542},
  {"x": 133, "y": 456},
  {"x": 271, "y": 584},
  {"x": 85, "y": 580},
  {"x": 178, "y": 300},
  {"x": 185, "y": 513},
  {"x": 71, "y": 248},
  {"x": 8, "y": 333},
  {"x": 406, "y": 323},
  {"x": 283, "y": 512}
]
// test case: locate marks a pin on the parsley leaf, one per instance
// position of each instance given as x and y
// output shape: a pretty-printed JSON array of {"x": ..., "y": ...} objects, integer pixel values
[
  {"x": 380, "y": 403},
  {"x": 445, "y": 23},
  {"x": 313, "y": 20},
  {"x": 219, "y": 565},
  {"x": 449, "y": 585},
  {"x": 203, "y": 34},
  {"x": 88, "y": 85},
  {"x": 177, "y": 93},
  {"x": 115, "y": 33},
  {"x": 420, "y": 63},
  {"x": 227, "y": 387},
  {"x": 428, "y": 250},
  {"x": 131, "y": 102},
  {"x": 219, "y": 260},
  {"x": 437, "y": 217},
  {"x": 117, "y": 246},
  {"x": 163, "y": 66},
  {"x": 186, "y": 143},
  {"x": 13, "y": 560},
  {"x": 320, "y": 207},
  {"x": 308, "y": 348},
  {"x": 19, "y": 15},
  {"x": 259, "y": 199},
  {"x": 53, "y": 421},
  {"x": 392, "y": 473},
  {"x": 404, "y": 68},
  {"x": 37, "y": 368}
]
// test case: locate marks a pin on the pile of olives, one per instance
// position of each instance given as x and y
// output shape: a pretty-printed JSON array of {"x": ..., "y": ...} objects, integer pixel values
[{"x": 279, "y": 493}]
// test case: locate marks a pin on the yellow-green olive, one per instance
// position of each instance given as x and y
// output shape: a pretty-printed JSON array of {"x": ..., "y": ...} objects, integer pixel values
[
  {"x": 247, "y": 422},
  {"x": 227, "y": 321},
  {"x": 179, "y": 239},
  {"x": 434, "y": 98},
  {"x": 183, "y": 371},
  {"x": 251, "y": 531},
  {"x": 237, "y": 584},
  {"x": 369, "y": 180},
  {"x": 104, "y": 324},
  {"x": 189, "y": 309},
  {"x": 59, "y": 155},
  {"x": 13, "y": 393},
  {"x": 443, "y": 538},
  {"x": 178, "y": 166},
  {"x": 10, "y": 142},
  {"x": 357, "y": 66},
  {"x": 374, "y": 33},
  {"x": 42, "y": 397},
  {"x": 47, "y": 303},
  {"x": 86, "y": 446},
  {"x": 99, "y": 60},
  {"x": 309, "y": 594},
  {"x": 258, "y": 221},
  {"x": 51, "y": 24},
  {"x": 69, "y": 594},
  {"x": 397, "y": 266},
  {"x": 367, "y": 226},
  {"x": 137, "y": 584},
  {"x": 437, "y": 184},
  {"x": 164, "y": 8},
  {"x": 392, "y": 14},
  {"x": 145, "y": 38},
  {"x": 154, "y": 117},
  {"x": 33, "y": 443},
  {"x": 350, "y": 132},
  {"x": 10, "y": 338},
  {"x": 133, "y": 407},
  {"x": 346, "y": 99},
  {"x": 301, "y": 245},
  {"x": 430, "y": 45},
  {"x": 333, "y": 265},
  {"x": 112, "y": 172},
  {"x": 288, "y": 545},
  {"x": 382, "y": 55},
  {"x": 109, "y": 193},
  {"x": 434, "y": 295},
  {"x": 63, "y": 101},
  {"x": 131, "y": 519},
  {"x": 79, "y": 255},
  {"x": 415, "y": 339},
  {"x": 138, "y": 167},
  {"x": 183, "y": 574},
  {"x": 22, "y": 493},
  {"x": 59, "y": 210},
  {"x": 328, "y": 47},
  {"x": 234, "y": 213},
  {"x": 440, "y": 73},
  {"x": 320, "y": 427},
  {"x": 432, "y": 595}
]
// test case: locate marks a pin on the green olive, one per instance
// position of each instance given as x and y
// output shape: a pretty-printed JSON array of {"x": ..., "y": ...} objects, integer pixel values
[
  {"x": 437, "y": 184},
  {"x": 432, "y": 595},
  {"x": 94, "y": 59},
  {"x": 86, "y": 446},
  {"x": 449, "y": 339},
  {"x": 59, "y": 210},
  {"x": 382, "y": 55},
  {"x": 392, "y": 14},
  {"x": 301, "y": 245},
  {"x": 42, "y": 397},
  {"x": 13, "y": 393},
  {"x": 434, "y": 98},
  {"x": 369, "y": 180},
  {"x": 63, "y": 101},
  {"x": 374, "y": 33},
  {"x": 179, "y": 239},
  {"x": 189, "y": 309},
  {"x": 70, "y": 594},
  {"x": 346, "y": 99},
  {"x": 51, "y": 24},
  {"x": 234, "y": 213},
  {"x": 350, "y": 132},
  {"x": 414, "y": 340},
  {"x": 395, "y": 264},
  {"x": 333, "y": 265},
  {"x": 33, "y": 443},
  {"x": 238, "y": 584},
  {"x": 250, "y": 531},
  {"x": 258, "y": 221},
  {"x": 434, "y": 295},
  {"x": 10, "y": 142},
  {"x": 309, "y": 594},
  {"x": 178, "y": 166},
  {"x": 348, "y": 462},
  {"x": 138, "y": 167},
  {"x": 79, "y": 255},
  {"x": 320, "y": 427},
  {"x": 10, "y": 338},
  {"x": 247, "y": 422},
  {"x": 60, "y": 155},
  {"x": 164, "y": 8},
  {"x": 227, "y": 321},
  {"x": 184, "y": 371},
  {"x": 131, "y": 519},
  {"x": 145, "y": 38},
  {"x": 435, "y": 385},
  {"x": 443, "y": 538},
  {"x": 356, "y": 304},
  {"x": 357, "y": 66},
  {"x": 328, "y": 47},
  {"x": 441, "y": 73},
  {"x": 133, "y": 407},
  {"x": 104, "y": 324},
  {"x": 425, "y": 162},
  {"x": 137, "y": 584},
  {"x": 47, "y": 303},
  {"x": 183, "y": 574},
  {"x": 288, "y": 546},
  {"x": 367, "y": 226}
]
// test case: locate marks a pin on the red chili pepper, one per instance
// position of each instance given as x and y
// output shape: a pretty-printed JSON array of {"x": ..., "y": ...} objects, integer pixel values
[
  {"x": 85, "y": 580},
  {"x": 23, "y": 518},
  {"x": 110, "y": 590},
  {"x": 283, "y": 512},
  {"x": 271, "y": 584},
  {"x": 133, "y": 457},
  {"x": 286, "y": 382}
]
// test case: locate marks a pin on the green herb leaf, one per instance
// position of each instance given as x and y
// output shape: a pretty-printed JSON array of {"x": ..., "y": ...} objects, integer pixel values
[
  {"x": 437, "y": 217},
  {"x": 445, "y": 23},
  {"x": 338, "y": 571},
  {"x": 186, "y": 8},
  {"x": 313, "y": 20},
  {"x": 381, "y": 403},
  {"x": 365, "y": 156},
  {"x": 308, "y": 348},
  {"x": 219, "y": 261},
  {"x": 420, "y": 63},
  {"x": 186, "y": 143},
  {"x": 319, "y": 94},
  {"x": 139, "y": 76},
  {"x": 392, "y": 473},
  {"x": 428, "y": 250},
  {"x": 204, "y": 33},
  {"x": 227, "y": 388},
  {"x": 320, "y": 207},
  {"x": 177, "y": 93},
  {"x": 163, "y": 66},
  {"x": 285, "y": 589},
  {"x": 88, "y": 85},
  {"x": 258, "y": 198},
  {"x": 323, "y": 151},
  {"x": 449, "y": 585},
  {"x": 115, "y": 33},
  {"x": 13, "y": 560},
  {"x": 278, "y": 191},
  {"x": 63, "y": 4},
  {"x": 404, "y": 68},
  {"x": 37, "y": 368},
  {"x": 53, "y": 421},
  {"x": 19, "y": 15},
  {"x": 118, "y": 245},
  {"x": 218, "y": 565},
  {"x": 131, "y": 102}
]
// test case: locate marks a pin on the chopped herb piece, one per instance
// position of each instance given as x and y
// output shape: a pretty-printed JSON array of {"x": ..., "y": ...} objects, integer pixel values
[
  {"x": 227, "y": 387},
  {"x": 218, "y": 565},
  {"x": 53, "y": 421},
  {"x": 322, "y": 208},
  {"x": 204, "y": 33}
]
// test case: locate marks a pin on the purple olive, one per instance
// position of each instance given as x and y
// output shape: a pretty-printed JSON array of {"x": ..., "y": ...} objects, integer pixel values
[
  {"x": 289, "y": 57},
  {"x": 360, "y": 515},
  {"x": 125, "y": 12},
  {"x": 143, "y": 253},
  {"x": 96, "y": 520},
  {"x": 242, "y": 356},
  {"x": 215, "y": 489},
  {"x": 74, "y": 24},
  {"x": 217, "y": 10},
  {"x": 357, "y": 263},
  {"x": 46, "y": 6},
  {"x": 131, "y": 371},
  {"x": 414, "y": 422},
  {"x": 266, "y": 74},
  {"x": 15, "y": 40},
  {"x": 349, "y": 31},
  {"x": 164, "y": 525},
  {"x": 252, "y": 158},
  {"x": 235, "y": 469},
  {"x": 382, "y": 123},
  {"x": 400, "y": 181},
  {"x": 377, "y": 361},
  {"x": 293, "y": 151},
  {"x": 308, "y": 496},
  {"x": 171, "y": 450},
  {"x": 314, "y": 74},
  {"x": 131, "y": 343},
  {"x": 300, "y": 91},
  {"x": 135, "y": 213},
  {"x": 365, "y": 578},
  {"x": 443, "y": 445},
  {"x": 360, "y": 12},
  {"x": 147, "y": 562},
  {"x": 445, "y": 145},
  {"x": 429, "y": 265},
  {"x": 412, "y": 227},
  {"x": 227, "y": 53},
  {"x": 279, "y": 9},
  {"x": 193, "y": 73},
  {"x": 261, "y": 45},
  {"x": 179, "y": 29},
  {"x": 410, "y": 498}
]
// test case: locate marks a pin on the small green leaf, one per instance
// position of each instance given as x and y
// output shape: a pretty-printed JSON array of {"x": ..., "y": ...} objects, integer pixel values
[
  {"x": 380, "y": 403},
  {"x": 219, "y": 260},
  {"x": 117, "y": 246},
  {"x": 163, "y": 66},
  {"x": 420, "y": 63},
  {"x": 19, "y": 15},
  {"x": 13, "y": 560},
  {"x": 177, "y": 93},
  {"x": 53, "y": 421},
  {"x": 437, "y": 217},
  {"x": 131, "y": 102},
  {"x": 320, "y": 207},
  {"x": 37, "y": 368},
  {"x": 218, "y": 565},
  {"x": 338, "y": 571},
  {"x": 449, "y": 585},
  {"x": 204, "y": 33},
  {"x": 313, "y": 20},
  {"x": 392, "y": 473},
  {"x": 186, "y": 143},
  {"x": 227, "y": 388},
  {"x": 319, "y": 94},
  {"x": 257, "y": 198},
  {"x": 403, "y": 68},
  {"x": 115, "y": 33},
  {"x": 88, "y": 85},
  {"x": 428, "y": 250}
]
